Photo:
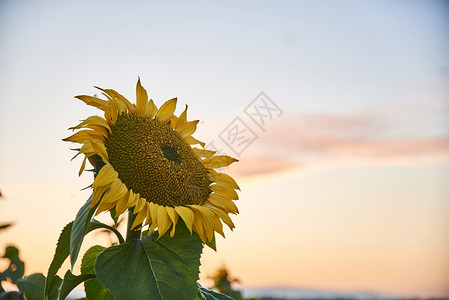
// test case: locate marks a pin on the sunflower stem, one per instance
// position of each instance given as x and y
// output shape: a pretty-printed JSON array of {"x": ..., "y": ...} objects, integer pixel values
[{"x": 131, "y": 234}]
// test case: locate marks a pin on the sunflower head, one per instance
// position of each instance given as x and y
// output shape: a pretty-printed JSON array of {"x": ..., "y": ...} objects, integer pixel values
[{"x": 148, "y": 161}]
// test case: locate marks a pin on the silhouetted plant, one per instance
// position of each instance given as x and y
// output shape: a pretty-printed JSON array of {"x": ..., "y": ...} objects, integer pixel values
[{"x": 223, "y": 283}]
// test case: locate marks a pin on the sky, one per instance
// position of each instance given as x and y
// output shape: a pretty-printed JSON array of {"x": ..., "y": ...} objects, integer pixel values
[{"x": 344, "y": 163}]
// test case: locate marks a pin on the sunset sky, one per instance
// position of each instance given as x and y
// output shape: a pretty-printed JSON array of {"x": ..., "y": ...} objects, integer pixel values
[{"x": 344, "y": 186}]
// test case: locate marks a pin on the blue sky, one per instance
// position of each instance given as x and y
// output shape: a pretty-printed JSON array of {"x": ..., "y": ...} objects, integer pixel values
[{"x": 362, "y": 141}]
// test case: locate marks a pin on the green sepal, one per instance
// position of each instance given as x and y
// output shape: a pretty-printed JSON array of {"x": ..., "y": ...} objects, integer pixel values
[
  {"x": 92, "y": 287},
  {"x": 152, "y": 267},
  {"x": 32, "y": 286},
  {"x": 205, "y": 294},
  {"x": 70, "y": 282}
]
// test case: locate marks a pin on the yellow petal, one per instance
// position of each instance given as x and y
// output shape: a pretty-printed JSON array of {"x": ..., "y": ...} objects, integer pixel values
[
  {"x": 122, "y": 204},
  {"x": 152, "y": 228},
  {"x": 225, "y": 179},
  {"x": 100, "y": 130},
  {"x": 224, "y": 203},
  {"x": 141, "y": 98},
  {"x": 173, "y": 121},
  {"x": 222, "y": 215},
  {"x": 92, "y": 121},
  {"x": 116, "y": 192},
  {"x": 198, "y": 227},
  {"x": 173, "y": 217},
  {"x": 92, "y": 101},
  {"x": 166, "y": 110},
  {"x": 140, "y": 203},
  {"x": 99, "y": 121},
  {"x": 171, "y": 213},
  {"x": 187, "y": 215},
  {"x": 86, "y": 149},
  {"x": 112, "y": 112},
  {"x": 224, "y": 190},
  {"x": 163, "y": 220},
  {"x": 218, "y": 226},
  {"x": 106, "y": 94},
  {"x": 152, "y": 211},
  {"x": 113, "y": 95},
  {"x": 82, "y": 166},
  {"x": 100, "y": 149},
  {"x": 129, "y": 107},
  {"x": 104, "y": 206},
  {"x": 78, "y": 153},
  {"x": 218, "y": 161},
  {"x": 132, "y": 198},
  {"x": 139, "y": 218},
  {"x": 203, "y": 152},
  {"x": 189, "y": 129},
  {"x": 206, "y": 216},
  {"x": 83, "y": 135},
  {"x": 106, "y": 176},
  {"x": 193, "y": 141},
  {"x": 151, "y": 109},
  {"x": 98, "y": 194},
  {"x": 182, "y": 121}
]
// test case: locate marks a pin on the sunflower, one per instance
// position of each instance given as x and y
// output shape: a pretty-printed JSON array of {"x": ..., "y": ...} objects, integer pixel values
[{"x": 145, "y": 161}]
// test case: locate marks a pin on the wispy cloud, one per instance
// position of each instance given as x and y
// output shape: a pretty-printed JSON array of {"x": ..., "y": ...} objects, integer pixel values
[
  {"x": 261, "y": 166},
  {"x": 316, "y": 140}
]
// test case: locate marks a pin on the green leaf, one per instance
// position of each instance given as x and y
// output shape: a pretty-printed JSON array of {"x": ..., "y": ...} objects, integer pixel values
[
  {"x": 53, "y": 290},
  {"x": 212, "y": 243},
  {"x": 152, "y": 268},
  {"x": 4, "y": 226},
  {"x": 79, "y": 227},
  {"x": 205, "y": 294},
  {"x": 16, "y": 267},
  {"x": 114, "y": 216},
  {"x": 72, "y": 281},
  {"x": 61, "y": 253},
  {"x": 32, "y": 286},
  {"x": 92, "y": 287},
  {"x": 12, "y": 296}
]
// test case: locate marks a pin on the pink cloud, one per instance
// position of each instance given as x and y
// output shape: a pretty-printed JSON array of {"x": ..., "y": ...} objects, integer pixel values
[
  {"x": 349, "y": 134},
  {"x": 319, "y": 139},
  {"x": 256, "y": 166}
]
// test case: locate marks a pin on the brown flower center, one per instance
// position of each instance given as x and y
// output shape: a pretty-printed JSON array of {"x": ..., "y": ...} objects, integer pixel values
[{"x": 154, "y": 160}]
